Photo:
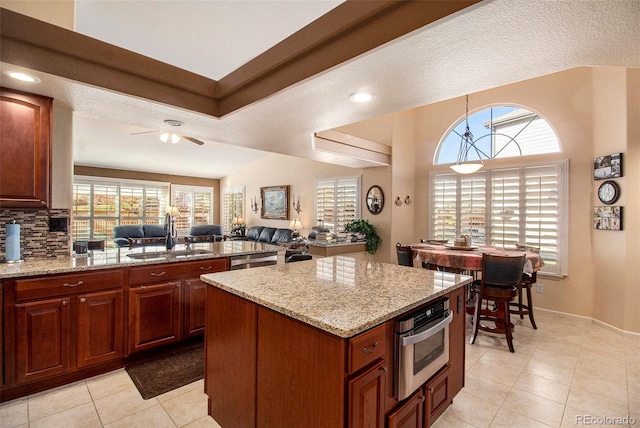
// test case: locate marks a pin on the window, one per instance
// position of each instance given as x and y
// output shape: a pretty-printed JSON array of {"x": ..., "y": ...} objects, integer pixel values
[
  {"x": 195, "y": 206},
  {"x": 232, "y": 206},
  {"x": 506, "y": 207},
  {"x": 500, "y": 132},
  {"x": 337, "y": 202},
  {"x": 99, "y": 204}
]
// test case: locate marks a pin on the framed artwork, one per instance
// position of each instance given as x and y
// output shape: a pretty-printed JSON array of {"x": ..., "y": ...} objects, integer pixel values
[
  {"x": 607, "y": 218},
  {"x": 275, "y": 202},
  {"x": 609, "y": 166}
]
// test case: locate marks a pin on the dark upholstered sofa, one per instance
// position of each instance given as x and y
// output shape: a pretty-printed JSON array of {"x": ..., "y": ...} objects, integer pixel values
[
  {"x": 121, "y": 234},
  {"x": 269, "y": 235},
  {"x": 205, "y": 233}
]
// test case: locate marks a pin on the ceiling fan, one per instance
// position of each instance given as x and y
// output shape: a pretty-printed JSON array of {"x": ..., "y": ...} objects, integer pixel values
[{"x": 170, "y": 136}]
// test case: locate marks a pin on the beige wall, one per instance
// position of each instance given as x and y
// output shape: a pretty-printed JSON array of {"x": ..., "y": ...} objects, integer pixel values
[
  {"x": 62, "y": 158},
  {"x": 58, "y": 12},
  {"x": 594, "y": 111}
]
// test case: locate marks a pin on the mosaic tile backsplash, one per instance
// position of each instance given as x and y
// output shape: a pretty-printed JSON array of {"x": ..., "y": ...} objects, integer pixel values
[{"x": 35, "y": 239}]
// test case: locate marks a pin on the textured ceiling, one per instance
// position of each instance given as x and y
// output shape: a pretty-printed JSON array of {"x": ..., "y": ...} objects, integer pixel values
[{"x": 487, "y": 45}]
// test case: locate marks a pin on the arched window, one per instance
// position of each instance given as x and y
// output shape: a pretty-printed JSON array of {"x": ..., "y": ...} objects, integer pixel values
[{"x": 500, "y": 132}]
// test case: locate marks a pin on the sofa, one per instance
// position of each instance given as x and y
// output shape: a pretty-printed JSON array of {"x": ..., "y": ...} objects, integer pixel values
[
  {"x": 205, "y": 233},
  {"x": 268, "y": 235},
  {"x": 153, "y": 234}
]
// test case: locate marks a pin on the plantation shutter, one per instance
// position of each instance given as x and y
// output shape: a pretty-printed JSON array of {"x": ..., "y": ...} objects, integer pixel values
[
  {"x": 505, "y": 208},
  {"x": 473, "y": 207},
  {"x": 154, "y": 204},
  {"x": 337, "y": 202},
  {"x": 233, "y": 205},
  {"x": 445, "y": 206}
]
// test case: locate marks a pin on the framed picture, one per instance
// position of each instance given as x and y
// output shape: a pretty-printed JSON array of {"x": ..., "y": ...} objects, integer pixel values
[
  {"x": 607, "y": 218},
  {"x": 275, "y": 202},
  {"x": 609, "y": 166}
]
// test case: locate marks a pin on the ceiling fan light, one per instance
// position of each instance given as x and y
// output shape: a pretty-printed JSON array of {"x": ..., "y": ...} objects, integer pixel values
[
  {"x": 164, "y": 137},
  {"x": 361, "y": 97},
  {"x": 175, "y": 138},
  {"x": 466, "y": 168}
]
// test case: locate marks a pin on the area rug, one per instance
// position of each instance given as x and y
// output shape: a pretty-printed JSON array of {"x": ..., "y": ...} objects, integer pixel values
[{"x": 156, "y": 377}]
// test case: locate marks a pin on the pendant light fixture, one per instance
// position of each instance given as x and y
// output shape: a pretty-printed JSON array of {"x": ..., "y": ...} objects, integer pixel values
[{"x": 462, "y": 166}]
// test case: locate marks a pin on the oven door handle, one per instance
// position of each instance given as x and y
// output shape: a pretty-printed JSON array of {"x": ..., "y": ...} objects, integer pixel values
[{"x": 409, "y": 340}]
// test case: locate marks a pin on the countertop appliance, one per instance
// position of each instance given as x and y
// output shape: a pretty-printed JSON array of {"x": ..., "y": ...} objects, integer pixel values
[{"x": 421, "y": 347}]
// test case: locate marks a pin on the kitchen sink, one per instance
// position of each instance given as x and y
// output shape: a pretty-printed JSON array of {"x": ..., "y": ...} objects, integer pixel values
[{"x": 168, "y": 254}]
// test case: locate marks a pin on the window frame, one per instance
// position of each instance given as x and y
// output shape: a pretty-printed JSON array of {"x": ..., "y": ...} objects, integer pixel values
[
  {"x": 185, "y": 188},
  {"x": 562, "y": 261}
]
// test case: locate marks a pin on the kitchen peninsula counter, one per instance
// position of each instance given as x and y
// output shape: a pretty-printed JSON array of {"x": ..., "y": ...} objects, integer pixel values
[
  {"x": 311, "y": 343},
  {"x": 119, "y": 257}
]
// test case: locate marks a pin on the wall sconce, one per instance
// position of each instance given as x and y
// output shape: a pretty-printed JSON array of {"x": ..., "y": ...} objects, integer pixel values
[
  {"x": 398, "y": 201},
  {"x": 296, "y": 205},
  {"x": 254, "y": 204},
  {"x": 407, "y": 200}
]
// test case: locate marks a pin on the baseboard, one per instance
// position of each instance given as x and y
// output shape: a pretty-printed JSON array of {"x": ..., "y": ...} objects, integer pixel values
[{"x": 594, "y": 321}]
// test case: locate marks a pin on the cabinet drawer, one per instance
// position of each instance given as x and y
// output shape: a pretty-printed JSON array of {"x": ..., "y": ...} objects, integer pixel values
[
  {"x": 58, "y": 285},
  {"x": 366, "y": 348},
  {"x": 169, "y": 271}
]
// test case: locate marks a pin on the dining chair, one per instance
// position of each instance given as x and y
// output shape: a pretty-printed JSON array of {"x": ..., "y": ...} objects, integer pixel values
[
  {"x": 405, "y": 255},
  {"x": 501, "y": 276},
  {"x": 520, "y": 308}
]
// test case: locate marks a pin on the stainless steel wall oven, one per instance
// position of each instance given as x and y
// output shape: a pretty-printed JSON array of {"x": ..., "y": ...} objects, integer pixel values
[{"x": 421, "y": 347}]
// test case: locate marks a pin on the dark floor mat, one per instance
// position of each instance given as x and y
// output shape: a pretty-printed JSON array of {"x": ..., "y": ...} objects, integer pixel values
[{"x": 156, "y": 377}]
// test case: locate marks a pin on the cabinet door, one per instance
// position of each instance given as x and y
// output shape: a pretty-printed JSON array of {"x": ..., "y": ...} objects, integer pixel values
[
  {"x": 194, "y": 307},
  {"x": 438, "y": 396},
  {"x": 457, "y": 341},
  {"x": 154, "y": 315},
  {"x": 366, "y": 398},
  {"x": 42, "y": 339},
  {"x": 25, "y": 150},
  {"x": 100, "y": 327},
  {"x": 410, "y": 414}
]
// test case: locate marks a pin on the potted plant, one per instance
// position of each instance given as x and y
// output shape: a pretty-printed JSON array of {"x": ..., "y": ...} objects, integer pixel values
[{"x": 371, "y": 236}]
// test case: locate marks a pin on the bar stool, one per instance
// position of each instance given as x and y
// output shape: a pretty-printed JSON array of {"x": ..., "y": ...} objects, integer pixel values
[
  {"x": 499, "y": 284},
  {"x": 405, "y": 255},
  {"x": 525, "y": 309}
]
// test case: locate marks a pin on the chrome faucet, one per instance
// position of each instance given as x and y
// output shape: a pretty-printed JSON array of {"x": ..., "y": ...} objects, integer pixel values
[{"x": 168, "y": 227}]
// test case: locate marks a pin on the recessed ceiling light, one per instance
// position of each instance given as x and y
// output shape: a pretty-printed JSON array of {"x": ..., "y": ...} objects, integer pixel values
[
  {"x": 173, "y": 122},
  {"x": 23, "y": 77},
  {"x": 361, "y": 97}
]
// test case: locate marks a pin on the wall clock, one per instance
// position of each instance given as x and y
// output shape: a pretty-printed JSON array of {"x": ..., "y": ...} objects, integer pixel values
[{"x": 608, "y": 192}]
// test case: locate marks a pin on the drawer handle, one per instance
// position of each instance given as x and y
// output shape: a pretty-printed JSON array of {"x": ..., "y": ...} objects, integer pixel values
[
  {"x": 66, "y": 284},
  {"x": 158, "y": 274},
  {"x": 205, "y": 268},
  {"x": 370, "y": 350}
]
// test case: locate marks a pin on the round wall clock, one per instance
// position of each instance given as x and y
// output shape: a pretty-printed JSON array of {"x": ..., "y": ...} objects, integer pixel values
[{"x": 608, "y": 192}]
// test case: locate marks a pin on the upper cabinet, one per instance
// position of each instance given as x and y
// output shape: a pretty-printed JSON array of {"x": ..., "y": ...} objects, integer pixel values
[{"x": 25, "y": 150}]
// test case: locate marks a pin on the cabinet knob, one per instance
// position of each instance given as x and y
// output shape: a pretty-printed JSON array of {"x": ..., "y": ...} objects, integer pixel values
[
  {"x": 65, "y": 302},
  {"x": 43, "y": 203},
  {"x": 421, "y": 398},
  {"x": 82, "y": 300},
  {"x": 384, "y": 369}
]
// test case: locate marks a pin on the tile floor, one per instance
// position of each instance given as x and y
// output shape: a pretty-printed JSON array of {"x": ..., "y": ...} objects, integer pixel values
[{"x": 568, "y": 370}]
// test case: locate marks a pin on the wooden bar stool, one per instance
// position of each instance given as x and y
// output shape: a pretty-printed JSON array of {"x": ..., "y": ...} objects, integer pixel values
[
  {"x": 405, "y": 255},
  {"x": 499, "y": 284},
  {"x": 521, "y": 308}
]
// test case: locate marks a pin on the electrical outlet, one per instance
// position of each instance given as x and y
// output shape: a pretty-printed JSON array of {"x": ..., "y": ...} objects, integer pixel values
[{"x": 540, "y": 288}]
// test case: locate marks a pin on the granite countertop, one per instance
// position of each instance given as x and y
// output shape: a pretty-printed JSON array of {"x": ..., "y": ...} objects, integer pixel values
[
  {"x": 341, "y": 295},
  {"x": 118, "y": 257}
]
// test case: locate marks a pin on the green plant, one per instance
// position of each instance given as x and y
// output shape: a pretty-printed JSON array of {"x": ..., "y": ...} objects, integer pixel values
[{"x": 371, "y": 236}]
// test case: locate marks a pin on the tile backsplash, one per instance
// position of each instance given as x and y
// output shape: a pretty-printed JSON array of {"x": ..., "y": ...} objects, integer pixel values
[{"x": 35, "y": 239}]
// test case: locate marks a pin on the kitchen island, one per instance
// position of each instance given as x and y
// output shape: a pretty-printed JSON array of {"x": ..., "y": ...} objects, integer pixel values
[{"x": 311, "y": 343}]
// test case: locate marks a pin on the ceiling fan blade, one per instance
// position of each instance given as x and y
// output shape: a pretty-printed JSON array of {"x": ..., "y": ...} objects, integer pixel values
[
  {"x": 143, "y": 132},
  {"x": 193, "y": 140}
]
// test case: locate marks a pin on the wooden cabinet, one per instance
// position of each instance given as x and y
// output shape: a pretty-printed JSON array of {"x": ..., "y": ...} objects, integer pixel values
[
  {"x": 438, "y": 395},
  {"x": 410, "y": 414},
  {"x": 194, "y": 307},
  {"x": 154, "y": 315},
  {"x": 366, "y": 397},
  {"x": 25, "y": 150},
  {"x": 457, "y": 340},
  {"x": 65, "y": 322}
]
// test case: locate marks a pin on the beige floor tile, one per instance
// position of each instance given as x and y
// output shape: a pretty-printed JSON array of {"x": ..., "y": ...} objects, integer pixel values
[
  {"x": 595, "y": 401},
  {"x": 615, "y": 390},
  {"x": 534, "y": 407},
  {"x": 109, "y": 383},
  {"x": 549, "y": 371},
  {"x": 187, "y": 408},
  {"x": 198, "y": 385},
  {"x": 82, "y": 416},
  {"x": 542, "y": 387},
  {"x": 486, "y": 388},
  {"x": 558, "y": 359},
  {"x": 57, "y": 400},
  {"x": 507, "y": 419},
  {"x": 473, "y": 410},
  {"x": 613, "y": 371},
  {"x": 203, "y": 422},
  {"x": 495, "y": 371},
  {"x": 505, "y": 358},
  {"x": 155, "y": 417},
  {"x": 14, "y": 413},
  {"x": 447, "y": 420},
  {"x": 122, "y": 404}
]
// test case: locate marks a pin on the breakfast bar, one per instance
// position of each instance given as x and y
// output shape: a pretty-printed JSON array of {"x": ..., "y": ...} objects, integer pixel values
[{"x": 312, "y": 343}]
